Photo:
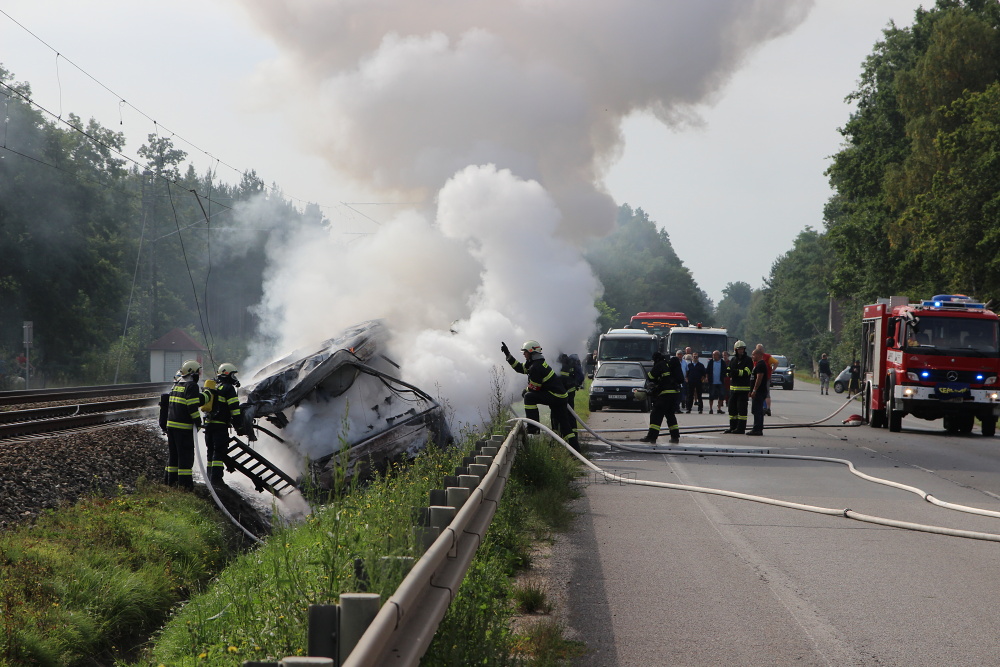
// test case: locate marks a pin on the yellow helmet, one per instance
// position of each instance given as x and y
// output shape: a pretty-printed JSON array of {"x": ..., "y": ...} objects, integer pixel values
[{"x": 189, "y": 367}]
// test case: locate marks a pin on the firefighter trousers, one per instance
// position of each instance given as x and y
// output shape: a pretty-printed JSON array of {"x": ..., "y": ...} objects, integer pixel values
[
  {"x": 739, "y": 402},
  {"x": 562, "y": 421},
  {"x": 217, "y": 444},
  {"x": 664, "y": 405},
  {"x": 180, "y": 457}
]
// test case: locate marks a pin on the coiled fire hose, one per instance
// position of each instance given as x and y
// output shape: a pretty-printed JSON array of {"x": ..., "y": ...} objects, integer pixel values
[{"x": 829, "y": 511}]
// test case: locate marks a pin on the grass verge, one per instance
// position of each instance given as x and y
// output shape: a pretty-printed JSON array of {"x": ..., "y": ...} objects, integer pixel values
[{"x": 85, "y": 585}]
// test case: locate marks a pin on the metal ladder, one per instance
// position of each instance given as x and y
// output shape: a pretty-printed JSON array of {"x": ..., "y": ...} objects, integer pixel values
[{"x": 264, "y": 474}]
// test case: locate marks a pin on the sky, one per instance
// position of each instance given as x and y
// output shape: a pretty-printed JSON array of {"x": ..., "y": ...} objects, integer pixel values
[{"x": 733, "y": 172}]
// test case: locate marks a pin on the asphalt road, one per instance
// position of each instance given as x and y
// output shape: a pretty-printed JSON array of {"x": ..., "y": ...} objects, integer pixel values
[{"x": 668, "y": 577}]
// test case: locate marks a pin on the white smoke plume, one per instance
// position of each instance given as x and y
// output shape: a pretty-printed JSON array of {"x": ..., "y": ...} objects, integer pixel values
[{"x": 504, "y": 114}]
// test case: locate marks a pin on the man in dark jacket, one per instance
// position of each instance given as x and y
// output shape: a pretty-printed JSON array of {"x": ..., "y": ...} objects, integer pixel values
[
  {"x": 695, "y": 375},
  {"x": 664, "y": 381},
  {"x": 545, "y": 387},
  {"x": 225, "y": 412},
  {"x": 824, "y": 375},
  {"x": 740, "y": 372},
  {"x": 758, "y": 391},
  {"x": 183, "y": 417}
]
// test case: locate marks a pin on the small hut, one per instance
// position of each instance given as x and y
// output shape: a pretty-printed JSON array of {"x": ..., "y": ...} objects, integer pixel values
[{"x": 166, "y": 354}]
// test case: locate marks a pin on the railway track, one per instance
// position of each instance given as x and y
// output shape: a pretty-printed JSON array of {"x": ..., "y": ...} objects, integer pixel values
[
  {"x": 29, "y": 396},
  {"x": 80, "y": 408}
]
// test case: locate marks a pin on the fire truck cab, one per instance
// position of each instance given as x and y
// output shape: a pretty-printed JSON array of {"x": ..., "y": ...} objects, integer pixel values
[{"x": 936, "y": 359}]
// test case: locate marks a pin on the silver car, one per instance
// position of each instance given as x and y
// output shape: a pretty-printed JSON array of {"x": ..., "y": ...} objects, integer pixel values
[{"x": 619, "y": 384}]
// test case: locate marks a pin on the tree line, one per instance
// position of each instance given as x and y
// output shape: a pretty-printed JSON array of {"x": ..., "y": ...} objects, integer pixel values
[
  {"x": 916, "y": 203},
  {"x": 104, "y": 255},
  {"x": 915, "y": 212}
]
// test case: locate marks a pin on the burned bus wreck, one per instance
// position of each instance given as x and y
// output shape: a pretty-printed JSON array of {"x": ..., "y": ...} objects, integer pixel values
[{"x": 341, "y": 407}]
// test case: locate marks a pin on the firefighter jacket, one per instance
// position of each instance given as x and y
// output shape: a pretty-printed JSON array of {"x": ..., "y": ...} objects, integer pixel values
[
  {"x": 541, "y": 376},
  {"x": 740, "y": 372},
  {"x": 665, "y": 376},
  {"x": 226, "y": 406},
  {"x": 185, "y": 401}
]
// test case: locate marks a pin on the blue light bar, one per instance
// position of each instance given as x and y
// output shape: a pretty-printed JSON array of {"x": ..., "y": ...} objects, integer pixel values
[{"x": 925, "y": 374}]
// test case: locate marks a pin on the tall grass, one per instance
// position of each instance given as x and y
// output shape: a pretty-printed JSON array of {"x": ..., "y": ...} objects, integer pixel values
[{"x": 85, "y": 585}]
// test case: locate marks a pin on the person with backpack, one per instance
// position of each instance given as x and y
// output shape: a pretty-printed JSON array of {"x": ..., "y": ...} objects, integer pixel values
[
  {"x": 545, "y": 387},
  {"x": 663, "y": 381},
  {"x": 180, "y": 417},
  {"x": 223, "y": 411},
  {"x": 571, "y": 372}
]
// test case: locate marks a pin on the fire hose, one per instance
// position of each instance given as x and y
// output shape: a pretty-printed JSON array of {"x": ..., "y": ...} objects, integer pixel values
[{"x": 829, "y": 511}]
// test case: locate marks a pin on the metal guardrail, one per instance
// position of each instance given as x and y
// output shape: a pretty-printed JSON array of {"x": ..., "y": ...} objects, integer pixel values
[
  {"x": 399, "y": 633},
  {"x": 406, "y": 623}
]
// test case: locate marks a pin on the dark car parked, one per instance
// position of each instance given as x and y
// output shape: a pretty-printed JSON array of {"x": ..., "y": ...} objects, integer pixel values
[
  {"x": 784, "y": 374},
  {"x": 619, "y": 384}
]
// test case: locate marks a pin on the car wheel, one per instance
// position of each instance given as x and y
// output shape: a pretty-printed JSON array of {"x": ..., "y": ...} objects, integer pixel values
[
  {"x": 594, "y": 406},
  {"x": 838, "y": 387},
  {"x": 989, "y": 426}
]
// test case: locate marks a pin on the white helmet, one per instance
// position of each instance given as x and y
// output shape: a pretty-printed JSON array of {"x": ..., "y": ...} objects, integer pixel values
[
  {"x": 531, "y": 346},
  {"x": 739, "y": 344},
  {"x": 228, "y": 369},
  {"x": 190, "y": 366}
]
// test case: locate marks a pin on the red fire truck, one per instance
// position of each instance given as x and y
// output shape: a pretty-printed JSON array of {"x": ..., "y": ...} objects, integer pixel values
[{"x": 936, "y": 359}]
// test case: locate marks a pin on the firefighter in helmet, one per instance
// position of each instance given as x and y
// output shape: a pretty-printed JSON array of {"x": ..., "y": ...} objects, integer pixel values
[
  {"x": 740, "y": 372},
  {"x": 224, "y": 413},
  {"x": 545, "y": 387},
  {"x": 182, "y": 419},
  {"x": 664, "y": 381}
]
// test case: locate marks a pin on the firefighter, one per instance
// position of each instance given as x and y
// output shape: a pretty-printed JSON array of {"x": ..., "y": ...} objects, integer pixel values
[
  {"x": 183, "y": 418},
  {"x": 740, "y": 372},
  {"x": 664, "y": 379},
  {"x": 571, "y": 372},
  {"x": 544, "y": 387},
  {"x": 225, "y": 412}
]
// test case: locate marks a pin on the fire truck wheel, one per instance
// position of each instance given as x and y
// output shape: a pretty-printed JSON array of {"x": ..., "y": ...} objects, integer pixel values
[
  {"x": 989, "y": 426},
  {"x": 893, "y": 418},
  {"x": 876, "y": 418}
]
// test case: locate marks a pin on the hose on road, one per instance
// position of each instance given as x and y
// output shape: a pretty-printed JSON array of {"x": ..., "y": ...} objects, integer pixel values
[{"x": 829, "y": 511}]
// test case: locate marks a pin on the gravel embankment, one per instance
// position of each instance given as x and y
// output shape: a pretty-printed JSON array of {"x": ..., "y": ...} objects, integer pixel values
[{"x": 45, "y": 472}]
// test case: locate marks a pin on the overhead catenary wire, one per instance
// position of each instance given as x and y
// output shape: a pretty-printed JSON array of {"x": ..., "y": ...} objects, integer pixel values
[{"x": 815, "y": 509}]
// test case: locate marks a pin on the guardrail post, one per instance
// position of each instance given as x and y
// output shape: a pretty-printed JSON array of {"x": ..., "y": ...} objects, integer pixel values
[
  {"x": 438, "y": 497},
  {"x": 357, "y": 610},
  {"x": 457, "y": 495},
  {"x": 479, "y": 470},
  {"x": 442, "y": 516},
  {"x": 469, "y": 481},
  {"x": 324, "y": 621},
  {"x": 305, "y": 661}
]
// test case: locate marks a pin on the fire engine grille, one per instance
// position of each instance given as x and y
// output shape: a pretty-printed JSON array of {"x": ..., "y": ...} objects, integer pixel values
[{"x": 938, "y": 375}]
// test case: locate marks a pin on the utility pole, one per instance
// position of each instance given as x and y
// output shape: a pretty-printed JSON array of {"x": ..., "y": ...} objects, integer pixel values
[
  {"x": 28, "y": 325},
  {"x": 147, "y": 220}
]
